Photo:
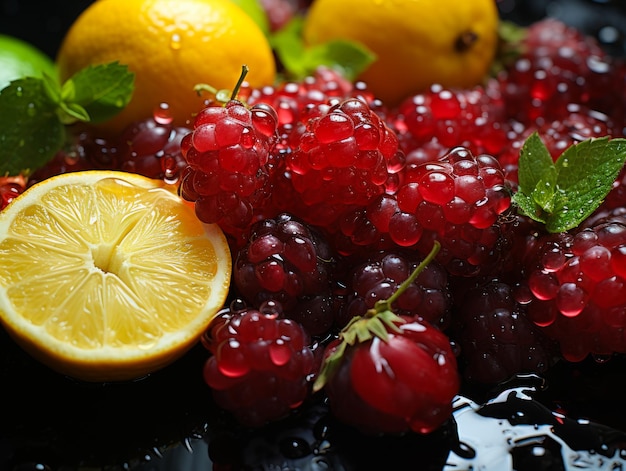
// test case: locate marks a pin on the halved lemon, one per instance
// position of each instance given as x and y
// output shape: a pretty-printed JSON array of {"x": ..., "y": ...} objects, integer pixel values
[{"x": 108, "y": 276}]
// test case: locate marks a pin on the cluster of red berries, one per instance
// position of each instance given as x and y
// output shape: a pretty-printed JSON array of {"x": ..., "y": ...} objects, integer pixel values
[{"x": 331, "y": 201}]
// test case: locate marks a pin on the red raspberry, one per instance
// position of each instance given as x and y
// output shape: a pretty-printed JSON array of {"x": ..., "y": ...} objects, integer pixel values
[
  {"x": 345, "y": 158},
  {"x": 227, "y": 154},
  {"x": 287, "y": 261},
  {"x": 497, "y": 339},
  {"x": 261, "y": 364},
  {"x": 578, "y": 281},
  {"x": 559, "y": 66},
  {"x": 473, "y": 118},
  {"x": 406, "y": 382},
  {"x": 458, "y": 200},
  {"x": 428, "y": 297}
]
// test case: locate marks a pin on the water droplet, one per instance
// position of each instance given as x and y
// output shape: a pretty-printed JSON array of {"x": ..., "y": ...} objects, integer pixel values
[
  {"x": 162, "y": 114},
  {"x": 280, "y": 352},
  {"x": 294, "y": 447},
  {"x": 601, "y": 359},
  {"x": 538, "y": 451},
  {"x": 175, "y": 41}
]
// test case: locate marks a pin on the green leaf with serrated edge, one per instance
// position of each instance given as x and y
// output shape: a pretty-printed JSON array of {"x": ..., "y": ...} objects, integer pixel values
[
  {"x": 527, "y": 205},
  {"x": 52, "y": 88},
  {"x": 71, "y": 112},
  {"x": 535, "y": 162},
  {"x": 101, "y": 90},
  {"x": 543, "y": 194},
  {"x": 30, "y": 131},
  {"x": 586, "y": 173}
]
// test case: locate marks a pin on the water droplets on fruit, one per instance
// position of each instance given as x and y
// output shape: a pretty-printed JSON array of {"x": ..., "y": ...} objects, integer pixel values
[
  {"x": 175, "y": 41},
  {"x": 162, "y": 114},
  {"x": 279, "y": 352}
]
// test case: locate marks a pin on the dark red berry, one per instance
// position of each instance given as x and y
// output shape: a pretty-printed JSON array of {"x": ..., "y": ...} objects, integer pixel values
[
  {"x": 578, "y": 283},
  {"x": 497, "y": 339},
  {"x": 11, "y": 188},
  {"x": 260, "y": 365},
  {"x": 428, "y": 297},
  {"x": 404, "y": 383},
  {"x": 151, "y": 147}
]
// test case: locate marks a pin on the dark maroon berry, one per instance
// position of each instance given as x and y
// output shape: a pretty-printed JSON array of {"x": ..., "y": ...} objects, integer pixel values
[
  {"x": 260, "y": 365},
  {"x": 578, "y": 283},
  {"x": 497, "y": 339},
  {"x": 151, "y": 147},
  {"x": 428, "y": 297},
  {"x": 290, "y": 262}
]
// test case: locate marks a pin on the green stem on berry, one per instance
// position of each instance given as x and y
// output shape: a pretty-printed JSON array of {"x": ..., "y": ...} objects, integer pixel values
[
  {"x": 385, "y": 304},
  {"x": 377, "y": 322},
  {"x": 242, "y": 77},
  {"x": 223, "y": 96}
]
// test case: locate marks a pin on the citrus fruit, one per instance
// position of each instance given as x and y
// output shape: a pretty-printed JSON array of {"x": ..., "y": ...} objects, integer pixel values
[
  {"x": 255, "y": 10},
  {"x": 20, "y": 59},
  {"x": 108, "y": 276},
  {"x": 416, "y": 42},
  {"x": 171, "y": 46}
]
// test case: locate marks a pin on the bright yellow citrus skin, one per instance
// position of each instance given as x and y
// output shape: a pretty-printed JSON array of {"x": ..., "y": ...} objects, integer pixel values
[
  {"x": 417, "y": 42},
  {"x": 171, "y": 46},
  {"x": 108, "y": 276}
]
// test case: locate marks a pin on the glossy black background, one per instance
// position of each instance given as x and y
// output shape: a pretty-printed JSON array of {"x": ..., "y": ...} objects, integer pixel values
[{"x": 51, "y": 423}]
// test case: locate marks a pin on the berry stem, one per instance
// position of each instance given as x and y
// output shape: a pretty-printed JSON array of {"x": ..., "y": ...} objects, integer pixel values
[
  {"x": 376, "y": 322},
  {"x": 242, "y": 77},
  {"x": 385, "y": 304},
  {"x": 223, "y": 96}
]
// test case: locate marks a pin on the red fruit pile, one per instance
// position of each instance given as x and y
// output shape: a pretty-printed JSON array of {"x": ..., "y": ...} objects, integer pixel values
[{"x": 331, "y": 200}]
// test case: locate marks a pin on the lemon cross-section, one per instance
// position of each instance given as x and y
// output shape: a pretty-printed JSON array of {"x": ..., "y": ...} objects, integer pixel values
[{"x": 108, "y": 275}]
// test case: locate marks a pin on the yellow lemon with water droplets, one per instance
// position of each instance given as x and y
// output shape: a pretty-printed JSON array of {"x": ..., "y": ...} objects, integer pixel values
[
  {"x": 417, "y": 42},
  {"x": 170, "y": 46}
]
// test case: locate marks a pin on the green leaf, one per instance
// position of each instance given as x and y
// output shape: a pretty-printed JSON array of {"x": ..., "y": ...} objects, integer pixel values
[
  {"x": 535, "y": 162},
  {"x": 586, "y": 173},
  {"x": 101, "y": 90},
  {"x": 564, "y": 193},
  {"x": 30, "y": 131},
  {"x": 526, "y": 204},
  {"x": 300, "y": 60}
]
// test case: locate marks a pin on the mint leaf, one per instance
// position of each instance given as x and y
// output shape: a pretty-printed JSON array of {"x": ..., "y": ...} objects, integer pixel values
[
  {"x": 101, "y": 90},
  {"x": 586, "y": 173},
  {"x": 30, "y": 130},
  {"x": 534, "y": 163},
  {"x": 564, "y": 193},
  {"x": 300, "y": 60},
  {"x": 536, "y": 179}
]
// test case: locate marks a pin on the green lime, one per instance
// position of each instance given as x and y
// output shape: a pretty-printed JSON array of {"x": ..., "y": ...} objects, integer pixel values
[
  {"x": 20, "y": 59},
  {"x": 255, "y": 10}
]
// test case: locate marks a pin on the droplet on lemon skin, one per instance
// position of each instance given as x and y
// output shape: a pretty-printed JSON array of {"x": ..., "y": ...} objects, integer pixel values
[
  {"x": 170, "y": 47},
  {"x": 417, "y": 43}
]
